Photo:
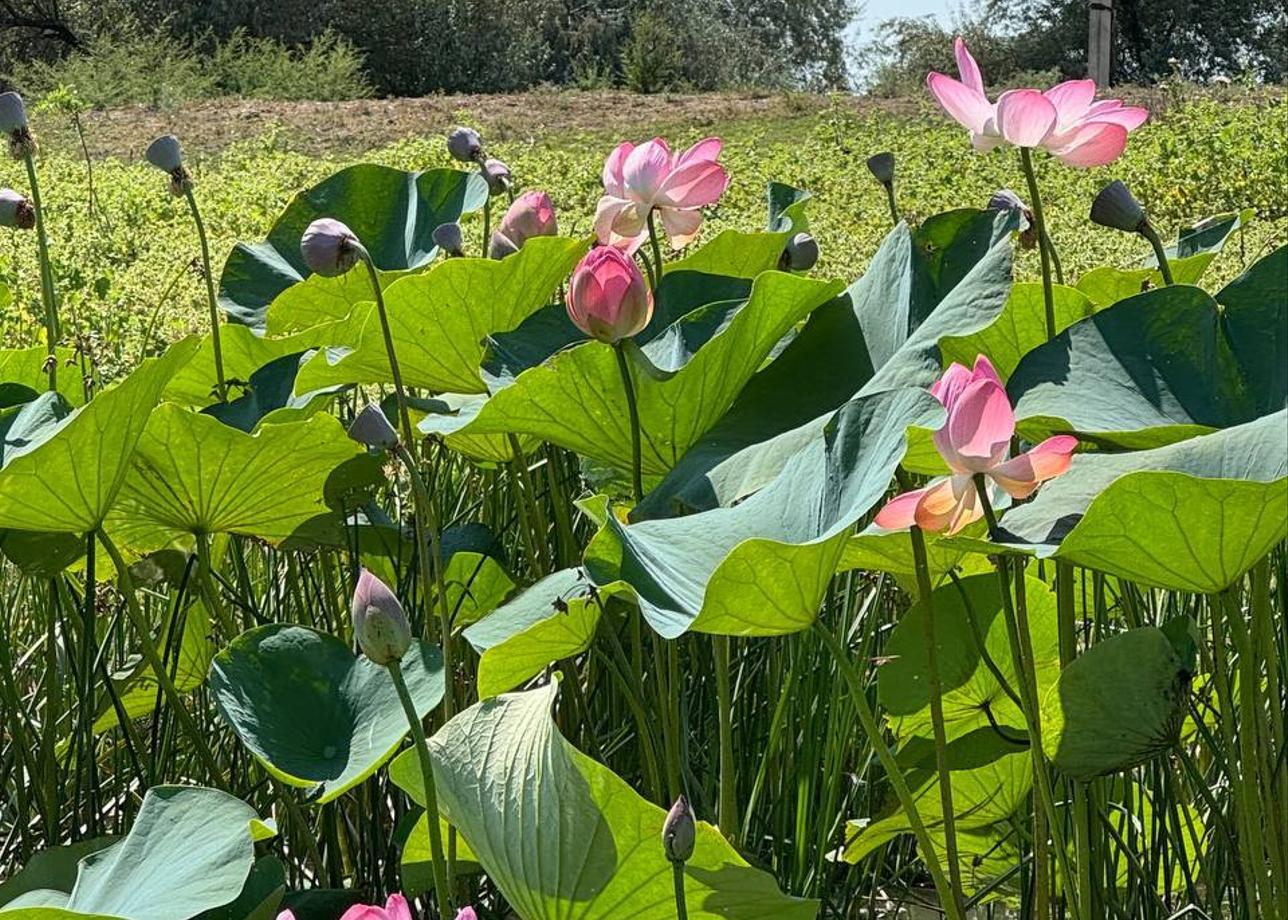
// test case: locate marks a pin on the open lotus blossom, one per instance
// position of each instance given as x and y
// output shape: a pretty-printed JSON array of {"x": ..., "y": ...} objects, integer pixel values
[
  {"x": 975, "y": 440},
  {"x": 639, "y": 180},
  {"x": 1066, "y": 120},
  {"x": 395, "y": 909}
]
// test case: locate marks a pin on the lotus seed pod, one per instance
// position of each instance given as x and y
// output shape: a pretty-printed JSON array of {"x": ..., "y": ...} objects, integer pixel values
[
  {"x": 679, "y": 832},
  {"x": 800, "y": 254},
  {"x": 497, "y": 175},
  {"x": 165, "y": 153},
  {"x": 371, "y": 427},
  {"x": 379, "y": 621},
  {"x": 1006, "y": 200},
  {"x": 881, "y": 165},
  {"x": 464, "y": 144},
  {"x": 13, "y": 122},
  {"x": 1115, "y": 207},
  {"x": 448, "y": 238},
  {"x": 15, "y": 210},
  {"x": 329, "y": 247}
]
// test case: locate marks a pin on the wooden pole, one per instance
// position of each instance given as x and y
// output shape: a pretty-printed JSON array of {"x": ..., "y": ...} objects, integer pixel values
[{"x": 1100, "y": 41}]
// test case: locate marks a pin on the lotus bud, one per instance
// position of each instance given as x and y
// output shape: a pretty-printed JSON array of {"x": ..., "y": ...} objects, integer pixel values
[
  {"x": 800, "y": 254},
  {"x": 329, "y": 247},
  {"x": 466, "y": 913},
  {"x": 531, "y": 214},
  {"x": 1115, "y": 207},
  {"x": 166, "y": 155},
  {"x": 679, "y": 832},
  {"x": 371, "y": 427},
  {"x": 464, "y": 144},
  {"x": 448, "y": 238},
  {"x": 1006, "y": 200},
  {"x": 607, "y": 297},
  {"x": 379, "y": 621},
  {"x": 497, "y": 175},
  {"x": 881, "y": 165},
  {"x": 15, "y": 210},
  {"x": 13, "y": 122}
]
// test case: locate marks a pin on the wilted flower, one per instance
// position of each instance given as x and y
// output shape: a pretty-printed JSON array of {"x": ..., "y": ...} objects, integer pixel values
[
  {"x": 379, "y": 621},
  {"x": 15, "y": 210},
  {"x": 800, "y": 254},
  {"x": 371, "y": 427},
  {"x": 1006, "y": 200},
  {"x": 395, "y": 909},
  {"x": 329, "y": 247},
  {"x": 13, "y": 122},
  {"x": 448, "y": 238},
  {"x": 464, "y": 144},
  {"x": 607, "y": 298},
  {"x": 497, "y": 175},
  {"x": 679, "y": 831},
  {"x": 639, "y": 180},
  {"x": 531, "y": 214},
  {"x": 166, "y": 155},
  {"x": 881, "y": 165},
  {"x": 1115, "y": 207},
  {"x": 1066, "y": 121},
  {"x": 975, "y": 440}
]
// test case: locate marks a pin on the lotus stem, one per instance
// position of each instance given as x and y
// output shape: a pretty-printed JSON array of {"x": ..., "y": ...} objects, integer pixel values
[
  {"x": 637, "y": 478},
  {"x": 681, "y": 908},
  {"x": 1044, "y": 241},
  {"x": 1068, "y": 636},
  {"x": 1147, "y": 230},
  {"x": 894, "y": 208},
  {"x": 87, "y": 703},
  {"x": 47, "y": 292},
  {"x": 858, "y": 695},
  {"x": 206, "y": 574},
  {"x": 212, "y": 301},
  {"x": 442, "y": 886},
  {"x": 727, "y": 816},
  {"x": 656, "y": 249},
  {"x": 487, "y": 225}
]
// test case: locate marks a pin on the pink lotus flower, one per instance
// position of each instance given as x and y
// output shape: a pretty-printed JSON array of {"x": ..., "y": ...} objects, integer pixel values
[
  {"x": 395, "y": 909},
  {"x": 531, "y": 214},
  {"x": 975, "y": 440},
  {"x": 466, "y": 913},
  {"x": 607, "y": 298},
  {"x": 1066, "y": 121},
  {"x": 638, "y": 180}
]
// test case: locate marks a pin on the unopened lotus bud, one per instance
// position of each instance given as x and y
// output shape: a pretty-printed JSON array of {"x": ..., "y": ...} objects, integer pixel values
[
  {"x": 1006, "y": 200},
  {"x": 531, "y": 214},
  {"x": 329, "y": 247},
  {"x": 448, "y": 238},
  {"x": 15, "y": 210},
  {"x": 379, "y": 621},
  {"x": 501, "y": 246},
  {"x": 497, "y": 175},
  {"x": 466, "y": 913},
  {"x": 679, "y": 832},
  {"x": 881, "y": 165},
  {"x": 166, "y": 155},
  {"x": 1115, "y": 207},
  {"x": 800, "y": 254},
  {"x": 371, "y": 427},
  {"x": 464, "y": 144},
  {"x": 13, "y": 123},
  {"x": 607, "y": 297}
]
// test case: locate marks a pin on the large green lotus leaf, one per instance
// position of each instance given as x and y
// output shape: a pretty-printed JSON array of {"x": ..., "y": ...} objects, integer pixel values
[
  {"x": 53, "y": 869},
  {"x": 68, "y": 481},
  {"x": 949, "y": 277},
  {"x": 417, "y": 862},
  {"x": 314, "y": 714},
  {"x": 739, "y": 254},
  {"x": 553, "y": 619},
  {"x": 440, "y": 320},
  {"x": 563, "y": 837},
  {"x": 761, "y": 567},
  {"x": 23, "y": 375},
  {"x": 260, "y": 896},
  {"x": 243, "y": 352},
  {"x": 879, "y": 550},
  {"x": 1191, "y": 516},
  {"x": 393, "y": 212},
  {"x": 190, "y": 850},
  {"x": 991, "y": 778},
  {"x": 316, "y": 303},
  {"x": 576, "y": 399},
  {"x": 971, "y": 689},
  {"x": 1164, "y": 365},
  {"x": 1117, "y": 705},
  {"x": 193, "y": 474}
]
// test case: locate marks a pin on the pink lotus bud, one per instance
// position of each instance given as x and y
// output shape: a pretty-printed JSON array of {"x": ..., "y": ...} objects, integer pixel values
[
  {"x": 329, "y": 247},
  {"x": 16, "y": 211},
  {"x": 372, "y": 428},
  {"x": 466, "y": 913},
  {"x": 379, "y": 621},
  {"x": 679, "y": 832},
  {"x": 396, "y": 908},
  {"x": 497, "y": 175},
  {"x": 464, "y": 144},
  {"x": 607, "y": 298},
  {"x": 531, "y": 214}
]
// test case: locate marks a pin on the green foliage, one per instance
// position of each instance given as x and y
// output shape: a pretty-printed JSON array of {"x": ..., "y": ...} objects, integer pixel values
[{"x": 651, "y": 61}]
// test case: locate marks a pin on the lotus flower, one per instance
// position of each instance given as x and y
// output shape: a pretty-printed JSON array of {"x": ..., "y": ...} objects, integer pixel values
[
  {"x": 531, "y": 214},
  {"x": 466, "y": 913},
  {"x": 379, "y": 621},
  {"x": 395, "y": 909},
  {"x": 639, "y": 180},
  {"x": 679, "y": 831},
  {"x": 1066, "y": 121},
  {"x": 975, "y": 440},
  {"x": 607, "y": 298}
]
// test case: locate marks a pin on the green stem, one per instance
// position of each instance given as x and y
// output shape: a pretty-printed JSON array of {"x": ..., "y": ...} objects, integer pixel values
[
  {"x": 728, "y": 798},
  {"x": 47, "y": 292},
  {"x": 657, "y": 251},
  {"x": 894, "y": 208},
  {"x": 1068, "y": 636},
  {"x": 858, "y": 695},
  {"x": 1044, "y": 241},
  {"x": 623, "y": 365},
  {"x": 681, "y": 908},
  {"x": 1148, "y": 232},
  {"x": 211, "y": 301},
  {"x": 442, "y": 887},
  {"x": 206, "y": 573},
  {"x": 487, "y": 226}
]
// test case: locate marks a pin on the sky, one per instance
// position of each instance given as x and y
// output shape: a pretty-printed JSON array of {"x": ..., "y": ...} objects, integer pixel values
[{"x": 877, "y": 10}]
